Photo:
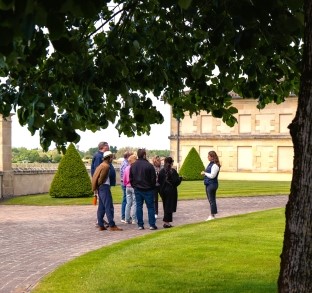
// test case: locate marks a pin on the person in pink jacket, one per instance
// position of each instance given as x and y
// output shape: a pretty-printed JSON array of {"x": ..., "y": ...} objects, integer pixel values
[{"x": 131, "y": 202}]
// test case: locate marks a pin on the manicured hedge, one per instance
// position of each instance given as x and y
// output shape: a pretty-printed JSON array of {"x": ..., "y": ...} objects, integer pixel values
[
  {"x": 71, "y": 178},
  {"x": 192, "y": 166}
]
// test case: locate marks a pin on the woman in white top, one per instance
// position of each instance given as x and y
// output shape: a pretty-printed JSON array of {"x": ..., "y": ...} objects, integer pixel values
[{"x": 211, "y": 182}]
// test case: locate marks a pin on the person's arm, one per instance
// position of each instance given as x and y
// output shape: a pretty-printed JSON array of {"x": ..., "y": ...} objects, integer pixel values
[
  {"x": 112, "y": 175},
  {"x": 214, "y": 171},
  {"x": 176, "y": 179},
  {"x": 125, "y": 178},
  {"x": 153, "y": 176},
  {"x": 131, "y": 177},
  {"x": 96, "y": 161}
]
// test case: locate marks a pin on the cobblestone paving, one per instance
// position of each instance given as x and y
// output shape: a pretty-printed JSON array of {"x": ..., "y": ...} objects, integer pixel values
[{"x": 36, "y": 240}]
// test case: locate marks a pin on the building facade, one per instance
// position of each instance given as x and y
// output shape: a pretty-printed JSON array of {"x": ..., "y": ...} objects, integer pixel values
[{"x": 258, "y": 147}]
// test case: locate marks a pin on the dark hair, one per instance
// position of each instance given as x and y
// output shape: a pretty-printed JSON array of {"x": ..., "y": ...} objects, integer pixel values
[
  {"x": 141, "y": 153},
  {"x": 215, "y": 158},
  {"x": 168, "y": 162}
]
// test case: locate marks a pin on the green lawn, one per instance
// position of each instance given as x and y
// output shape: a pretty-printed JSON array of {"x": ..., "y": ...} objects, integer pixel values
[
  {"x": 236, "y": 254},
  {"x": 187, "y": 190}
]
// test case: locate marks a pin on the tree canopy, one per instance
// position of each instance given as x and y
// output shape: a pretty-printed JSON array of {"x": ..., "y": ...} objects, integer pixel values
[
  {"x": 107, "y": 57},
  {"x": 72, "y": 65}
]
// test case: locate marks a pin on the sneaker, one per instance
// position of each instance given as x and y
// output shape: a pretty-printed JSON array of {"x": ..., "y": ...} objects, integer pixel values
[
  {"x": 102, "y": 228},
  {"x": 167, "y": 226},
  {"x": 123, "y": 221},
  {"x": 210, "y": 218},
  {"x": 141, "y": 228},
  {"x": 153, "y": 227},
  {"x": 114, "y": 228}
]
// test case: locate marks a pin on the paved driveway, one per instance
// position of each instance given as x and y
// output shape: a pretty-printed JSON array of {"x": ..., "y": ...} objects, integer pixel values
[{"x": 36, "y": 240}]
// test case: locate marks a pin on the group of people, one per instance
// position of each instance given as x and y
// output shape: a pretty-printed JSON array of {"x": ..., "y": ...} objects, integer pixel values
[{"x": 142, "y": 182}]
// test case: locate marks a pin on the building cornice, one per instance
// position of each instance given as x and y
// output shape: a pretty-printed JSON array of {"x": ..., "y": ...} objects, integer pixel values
[{"x": 231, "y": 137}]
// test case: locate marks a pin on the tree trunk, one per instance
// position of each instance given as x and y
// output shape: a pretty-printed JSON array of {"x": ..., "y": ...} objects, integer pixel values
[{"x": 296, "y": 259}]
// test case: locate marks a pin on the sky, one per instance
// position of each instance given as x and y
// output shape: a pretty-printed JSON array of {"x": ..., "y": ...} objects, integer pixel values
[{"x": 158, "y": 138}]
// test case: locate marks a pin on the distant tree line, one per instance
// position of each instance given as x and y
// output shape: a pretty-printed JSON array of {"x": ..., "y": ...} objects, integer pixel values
[{"x": 24, "y": 155}]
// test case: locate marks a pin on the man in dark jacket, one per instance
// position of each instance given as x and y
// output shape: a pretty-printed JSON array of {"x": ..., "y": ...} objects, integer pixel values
[
  {"x": 143, "y": 180},
  {"x": 98, "y": 159}
]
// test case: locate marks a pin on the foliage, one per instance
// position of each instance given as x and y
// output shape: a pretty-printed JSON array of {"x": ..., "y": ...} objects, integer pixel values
[
  {"x": 192, "y": 166},
  {"x": 149, "y": 153},
  {"x": 242, "y": 262},
  {"x": 53, "y": 156},
  {"x": 22, "y": 154},
  {"x": 71, "y": 178},
  {"x": 100, "y": 70}
]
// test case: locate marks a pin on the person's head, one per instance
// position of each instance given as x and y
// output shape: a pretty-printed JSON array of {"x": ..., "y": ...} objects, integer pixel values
[
  {"x": 103, "y": 146},
  {"x": 126, "y": 155},
  {"x": 108, "y": 156},
  {"x": 132, "y": 159},
  {"x": 141, "y": 154},
  {"x": 213, "y": 157},
  {"x": 168, "y": 163},
  {"x": 156, "y": 161}
]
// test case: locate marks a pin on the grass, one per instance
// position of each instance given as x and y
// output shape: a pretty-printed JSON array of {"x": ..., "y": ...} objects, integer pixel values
[
  {"x": 237, "y": 254},
  {"x": 187, "y": 190}
]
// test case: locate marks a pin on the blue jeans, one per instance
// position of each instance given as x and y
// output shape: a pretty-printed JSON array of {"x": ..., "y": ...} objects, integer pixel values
[
  {"x": 123, "y": 202},
  {"x": 148, "y": 197},
  {"x": 130, "y": 203},
  {"x": 211, "y": 192},
  {"x": 105, "y": 206}
]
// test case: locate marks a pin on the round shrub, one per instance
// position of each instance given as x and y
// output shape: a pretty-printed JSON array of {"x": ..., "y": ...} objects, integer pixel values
[
  {"x": 71, "y": 178},
  {"x": 192, "y": 166}
]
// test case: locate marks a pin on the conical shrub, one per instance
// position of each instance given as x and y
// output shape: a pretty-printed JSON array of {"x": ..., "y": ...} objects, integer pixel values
[
  {"x": 71, "y": 178},
  {"x": 192, "y": 166}
]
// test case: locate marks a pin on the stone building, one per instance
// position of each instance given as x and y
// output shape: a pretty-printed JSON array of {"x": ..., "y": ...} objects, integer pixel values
[{"x": 258, "y": 147}]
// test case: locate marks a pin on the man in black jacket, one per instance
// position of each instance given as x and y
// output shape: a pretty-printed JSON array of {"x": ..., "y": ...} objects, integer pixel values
[{"x": 143, "y": 180}]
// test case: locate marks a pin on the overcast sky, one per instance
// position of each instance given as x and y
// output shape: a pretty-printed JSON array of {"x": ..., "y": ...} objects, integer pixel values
[{"x": 158, "y": 138}]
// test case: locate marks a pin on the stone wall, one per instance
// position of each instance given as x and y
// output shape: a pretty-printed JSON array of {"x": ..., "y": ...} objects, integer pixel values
[
  {"x": 27, "y": 182},
  {"x": 6, "y": 156},
  {"x": 32, "y": 182}
]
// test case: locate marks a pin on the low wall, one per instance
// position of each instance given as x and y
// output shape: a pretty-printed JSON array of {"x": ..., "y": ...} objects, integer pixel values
[
  {"x": 35, "y": 180},
  {"x": 32, "y": 182}
]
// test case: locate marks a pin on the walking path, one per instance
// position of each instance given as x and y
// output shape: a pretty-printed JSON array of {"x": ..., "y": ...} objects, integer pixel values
[{"x": 36, "y": 240}]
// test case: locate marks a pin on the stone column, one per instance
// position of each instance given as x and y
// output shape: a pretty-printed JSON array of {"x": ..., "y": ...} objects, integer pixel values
[{"x": 7, "y": 188}]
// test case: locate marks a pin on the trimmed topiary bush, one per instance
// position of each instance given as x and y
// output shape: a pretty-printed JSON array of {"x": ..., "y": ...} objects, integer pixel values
[
  {"x": 192, "y": 166},
  {"x": 71, "y": 178}
]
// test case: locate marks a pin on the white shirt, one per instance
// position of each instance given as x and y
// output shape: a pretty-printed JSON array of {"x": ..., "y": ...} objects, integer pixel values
[{"x": 214, "y": 171}]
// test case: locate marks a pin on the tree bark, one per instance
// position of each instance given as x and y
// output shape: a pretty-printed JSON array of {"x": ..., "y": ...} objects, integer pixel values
[{"x": 296, "y": 258}]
